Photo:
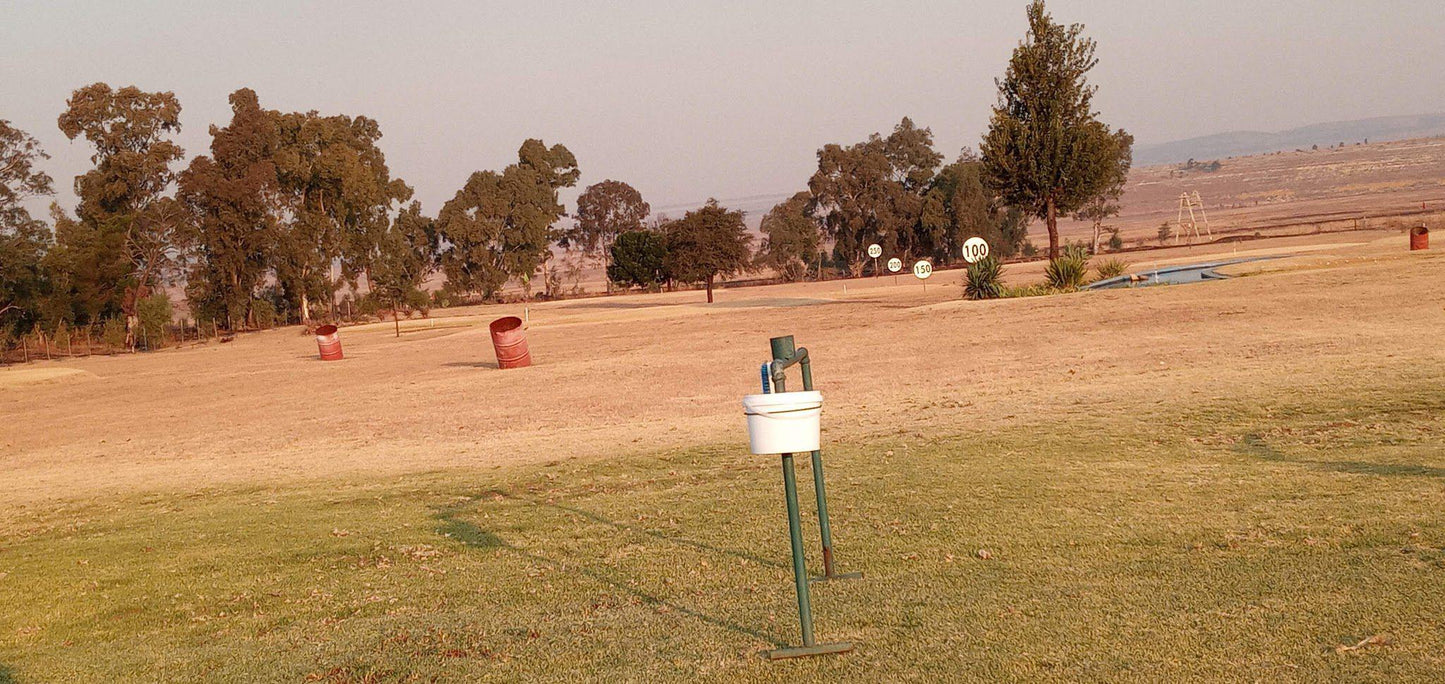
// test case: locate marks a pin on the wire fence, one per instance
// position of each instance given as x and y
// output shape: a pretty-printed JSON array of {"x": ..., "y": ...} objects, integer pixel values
[{"x": 101, "y": 339}]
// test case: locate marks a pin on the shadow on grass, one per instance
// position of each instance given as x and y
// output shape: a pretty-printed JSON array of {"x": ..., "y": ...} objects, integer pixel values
[
  {"x": 1256, "y": 446},
  {"x": 7, "y": 675},
  {"x": 472, "y": 536},
  {"x": 657, "y": 535}
]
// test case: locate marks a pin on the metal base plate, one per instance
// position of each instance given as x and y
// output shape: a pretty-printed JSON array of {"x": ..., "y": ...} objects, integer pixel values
[
  {"x": 840, "y": 576},
  {"x": 814, "y": 650}
]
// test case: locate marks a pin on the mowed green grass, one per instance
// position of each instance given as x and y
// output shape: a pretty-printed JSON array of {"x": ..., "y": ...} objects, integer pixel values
[{"x": 1240, "y": 539}]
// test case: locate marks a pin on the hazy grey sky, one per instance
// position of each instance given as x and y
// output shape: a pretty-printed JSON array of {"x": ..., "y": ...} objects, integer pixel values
[{"x": 688, "y": 100}]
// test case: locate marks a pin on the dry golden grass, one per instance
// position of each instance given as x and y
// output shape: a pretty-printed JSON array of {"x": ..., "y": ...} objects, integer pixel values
[
  {"x": 638, "y": 373},
  {"x": 1227, "y": 481}
]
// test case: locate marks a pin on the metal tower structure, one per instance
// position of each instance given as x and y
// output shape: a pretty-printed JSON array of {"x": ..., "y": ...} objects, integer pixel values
[{"x": 1189, "y": 202}]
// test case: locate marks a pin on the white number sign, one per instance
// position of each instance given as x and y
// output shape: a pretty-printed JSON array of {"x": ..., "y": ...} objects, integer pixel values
[
  {"x": 895, "y": 264},
  {"x": 875, "y": 250},
  {"x": 975, "y": 249},
  {"x": 922, "y": 270}
]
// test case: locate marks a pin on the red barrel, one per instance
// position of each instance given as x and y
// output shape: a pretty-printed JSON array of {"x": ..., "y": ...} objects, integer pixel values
[
  {"x": 1419, "y": 238},
  {"x": 510, "y": 341},
  {"x": 329, "y": 342}
]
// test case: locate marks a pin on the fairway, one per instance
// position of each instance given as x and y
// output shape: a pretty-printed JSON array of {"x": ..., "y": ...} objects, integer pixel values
[{"x": 1232, "y": 480}]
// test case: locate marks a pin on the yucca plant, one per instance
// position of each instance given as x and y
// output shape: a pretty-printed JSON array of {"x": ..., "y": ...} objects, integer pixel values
[
  {"x": 1069, "y": 271},
  {"x": 1110, "y": 268},
  {"x": 984, "y": 279}
]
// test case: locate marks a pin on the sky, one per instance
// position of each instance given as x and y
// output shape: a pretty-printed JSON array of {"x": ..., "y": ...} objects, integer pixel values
[{"x": 691, "y": 100}]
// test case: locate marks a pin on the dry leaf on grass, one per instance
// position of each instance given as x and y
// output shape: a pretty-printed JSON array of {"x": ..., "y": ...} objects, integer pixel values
[{"x": 1377, "y": 640}]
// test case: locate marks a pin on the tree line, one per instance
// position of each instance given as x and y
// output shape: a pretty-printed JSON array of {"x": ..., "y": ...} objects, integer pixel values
[{"x": 292, "y": 213}]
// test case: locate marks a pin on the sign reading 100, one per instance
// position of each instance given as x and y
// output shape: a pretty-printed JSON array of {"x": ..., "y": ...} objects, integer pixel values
[{"x": 975, "y": 249}]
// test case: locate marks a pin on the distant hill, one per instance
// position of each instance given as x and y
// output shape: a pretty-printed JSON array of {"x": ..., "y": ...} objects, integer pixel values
[{"x": 1239, "y": 143}]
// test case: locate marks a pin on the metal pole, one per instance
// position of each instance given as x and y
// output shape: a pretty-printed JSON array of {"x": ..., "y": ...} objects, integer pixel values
[
  {"x": 819, "y": 488},
  {"x": 795, "y": 532},
  {"x": 784, "y": 349}
]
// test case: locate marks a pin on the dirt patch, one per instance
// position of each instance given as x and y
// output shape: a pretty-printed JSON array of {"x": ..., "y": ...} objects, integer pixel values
[{"x": 25, "y": 376}]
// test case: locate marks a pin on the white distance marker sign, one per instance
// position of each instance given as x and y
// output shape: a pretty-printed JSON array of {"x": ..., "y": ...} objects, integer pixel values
[
  {"x": 875, "y": 250},
  {"x": 975, "y": 249},
  {"x": 895, "y": 264},
  {"x": 922, "y": 270}
]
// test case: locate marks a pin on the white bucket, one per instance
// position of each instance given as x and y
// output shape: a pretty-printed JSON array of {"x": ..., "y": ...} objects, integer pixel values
[{"x": 783, "y": 423}]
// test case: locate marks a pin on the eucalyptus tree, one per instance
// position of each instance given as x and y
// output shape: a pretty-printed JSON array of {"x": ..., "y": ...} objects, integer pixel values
[
  {"x": 338, "y": 199},
  {"x": 24, "y": 240},
  {"x": 873, "y": 192},
  {"x": 234, "y": 195},
  {"x": 958, "y": 205},
  {"x": 604, "y": 211},
  {"x": 405, "y": 255},
  {"x": 1046, "y": 152},
  {"x": 122, "y": 241},
  {"x": 790, "y": 238},
  {"x": 499, "y": 226}
]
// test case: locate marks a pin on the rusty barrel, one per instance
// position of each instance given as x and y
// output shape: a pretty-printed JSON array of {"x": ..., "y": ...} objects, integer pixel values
[
  {"x": 510, "y": 341},
  {"x": 1419, "y": 238},
  {"x": 328, "y": 341}
]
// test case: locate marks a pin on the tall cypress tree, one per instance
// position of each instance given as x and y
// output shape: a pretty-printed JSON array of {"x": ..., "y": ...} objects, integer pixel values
[{"x": 1046, "y": 153}]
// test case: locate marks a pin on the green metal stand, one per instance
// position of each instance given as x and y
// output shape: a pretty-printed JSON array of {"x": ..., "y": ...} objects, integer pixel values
[
  {"x": 786, "y": 354},
  {"x": 800, "y": 577}
]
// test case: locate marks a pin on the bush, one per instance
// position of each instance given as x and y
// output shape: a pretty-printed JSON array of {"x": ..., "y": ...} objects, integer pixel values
[
  {"x": 638, "y": 258},
  {"x": 265, "y": 313},
  {"x": 62, "y": 336},
  {"x": 112, "y": 333},
  {"x": 1034, "y": 290},
  {"x": 984, "y": 279},
  {"x": 1110, "y": 268},
  {"x": 419, "y": 301},
  {"x": 155, "y": 314},
  {"x": 1069, "y": 271},
  {"x": 1115, "y": 243}
]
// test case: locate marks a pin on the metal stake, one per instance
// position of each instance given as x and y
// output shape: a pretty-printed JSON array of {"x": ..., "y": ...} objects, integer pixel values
[
  {"x": 800, "y": 577},
  {"x": 784, "y": 350}
]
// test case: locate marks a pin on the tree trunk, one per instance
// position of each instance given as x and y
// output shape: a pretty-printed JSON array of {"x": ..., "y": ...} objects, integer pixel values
[
  {"x": 607, "y": 261},
  {"x": 1098, "y": 229},
  {"x": 305, "y": 310},
  {"x": 709, "y": 289},
  {"x": 1051, "y": 219},
  {"x": 131, "y": 322}
]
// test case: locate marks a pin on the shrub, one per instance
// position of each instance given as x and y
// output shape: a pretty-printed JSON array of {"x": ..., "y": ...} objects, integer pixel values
[
  {"x": 639, "y": 258},
  {"x": 1110, "y": 268},
  {"x": 1115, "y": 243},
  {"x": 265, "y": 313},
  {"x": 984, "y": 279},
  {"x": 112, "y": 333},
  {"x": 155, "y": 314},
  {"x": 1034, "y": 290},
  {"x": 1069, "y": 271},
  {"x": 418, "y": 300},
  {"x": 62, "y": 336}
]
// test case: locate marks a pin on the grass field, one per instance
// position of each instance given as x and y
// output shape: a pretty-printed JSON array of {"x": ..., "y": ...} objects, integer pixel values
[{"x": 1228, "y": 481}]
